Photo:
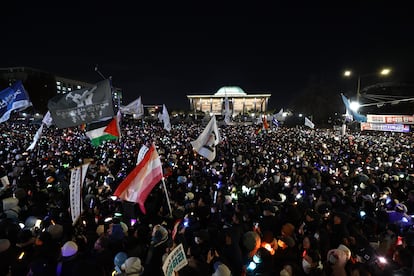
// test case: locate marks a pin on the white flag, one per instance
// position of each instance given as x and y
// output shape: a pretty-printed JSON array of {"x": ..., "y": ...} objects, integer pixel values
[
  {"x": 164, "y": 117},
  {"x": 135, "y": 108},
  {"x": 205, "y": 145},
  {"x": 309, "y": 123},
  {"x": 279, "y": 116},
  {"x": 36, "y": 138},
  {"x": 47, "y": 119}
]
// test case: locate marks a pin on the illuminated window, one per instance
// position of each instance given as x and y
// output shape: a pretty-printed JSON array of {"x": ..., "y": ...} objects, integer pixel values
[
  {"x": 69, "y": 89},
  {"x": 58, "y": 82},
  {"x": 58, "y": 87},
  {"x": 78, "y": 87}
]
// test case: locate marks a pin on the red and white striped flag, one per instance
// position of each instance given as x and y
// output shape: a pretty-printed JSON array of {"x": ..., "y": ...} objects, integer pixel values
[{"x": 139, "y": 183}]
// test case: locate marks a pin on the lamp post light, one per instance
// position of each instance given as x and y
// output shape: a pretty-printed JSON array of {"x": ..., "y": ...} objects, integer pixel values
[
  {"x": 355, "y": 105},
  {"x": 348, "y": 73},
  {"x": 385, "y": 71}
]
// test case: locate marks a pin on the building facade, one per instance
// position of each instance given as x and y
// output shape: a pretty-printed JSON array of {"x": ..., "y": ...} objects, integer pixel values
[
  {"x": 42, "y": 85},
  {"x": 239, "y": 101}
]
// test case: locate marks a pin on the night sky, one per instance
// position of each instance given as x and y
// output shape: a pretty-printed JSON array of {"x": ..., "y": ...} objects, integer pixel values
[{"x": 164, "y": 52}]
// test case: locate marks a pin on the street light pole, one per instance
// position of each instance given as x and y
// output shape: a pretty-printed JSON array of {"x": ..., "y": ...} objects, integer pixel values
[
  {"x": 358, "y": 95},
  {"x": 348, "y": 73}
]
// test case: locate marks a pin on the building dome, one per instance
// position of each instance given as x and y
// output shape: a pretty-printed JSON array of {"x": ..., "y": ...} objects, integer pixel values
[{"x": 230, "y": 91}]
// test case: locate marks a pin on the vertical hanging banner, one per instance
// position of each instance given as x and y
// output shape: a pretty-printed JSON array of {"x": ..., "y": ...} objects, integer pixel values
[{"x": 77, "y": 177}]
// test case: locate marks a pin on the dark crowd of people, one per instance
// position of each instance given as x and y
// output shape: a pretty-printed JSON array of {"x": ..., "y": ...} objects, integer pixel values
[{"x": 285, "y": 201}]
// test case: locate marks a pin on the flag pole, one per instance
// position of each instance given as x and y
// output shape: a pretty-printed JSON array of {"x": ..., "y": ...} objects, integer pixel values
[
  {"x": 166, "y": 195},
  {"x": 38, "y": 148}
]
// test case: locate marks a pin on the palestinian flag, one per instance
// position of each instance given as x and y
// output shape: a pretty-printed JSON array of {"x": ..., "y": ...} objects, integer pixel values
[{"x": 101, "y": 131}]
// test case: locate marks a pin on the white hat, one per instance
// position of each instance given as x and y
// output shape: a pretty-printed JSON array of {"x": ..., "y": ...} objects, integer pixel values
[
  {"x": 132, "y": 265},
  {"x": 227, "y": 199},
  {"x": 189, "y": 196},
  {"x": 221, "y": 270},
  {"x": 346, "y": 250}
]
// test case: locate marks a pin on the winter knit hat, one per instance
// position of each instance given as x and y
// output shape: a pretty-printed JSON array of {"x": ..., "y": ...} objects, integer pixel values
[
  {"x": 221, "y": 269},
  {"x": 119, "y": 260},
  {"x": 30, "y": 222},
  {"x": 69, "y": 249},
  {"x": 160, "y": 234},
  {"x": 189, "y": 196},
  {"x": 132, "y": 266},
  {"x": 11, "y": 208}
]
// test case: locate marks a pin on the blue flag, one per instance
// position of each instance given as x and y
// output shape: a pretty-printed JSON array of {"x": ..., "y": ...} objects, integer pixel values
[
  {"x": 275, "y": 122},
  {"x": 13, "y": 98}
]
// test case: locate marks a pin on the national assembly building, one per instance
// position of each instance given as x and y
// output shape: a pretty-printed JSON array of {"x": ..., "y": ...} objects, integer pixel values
[{"x": 239, "y": 102}]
